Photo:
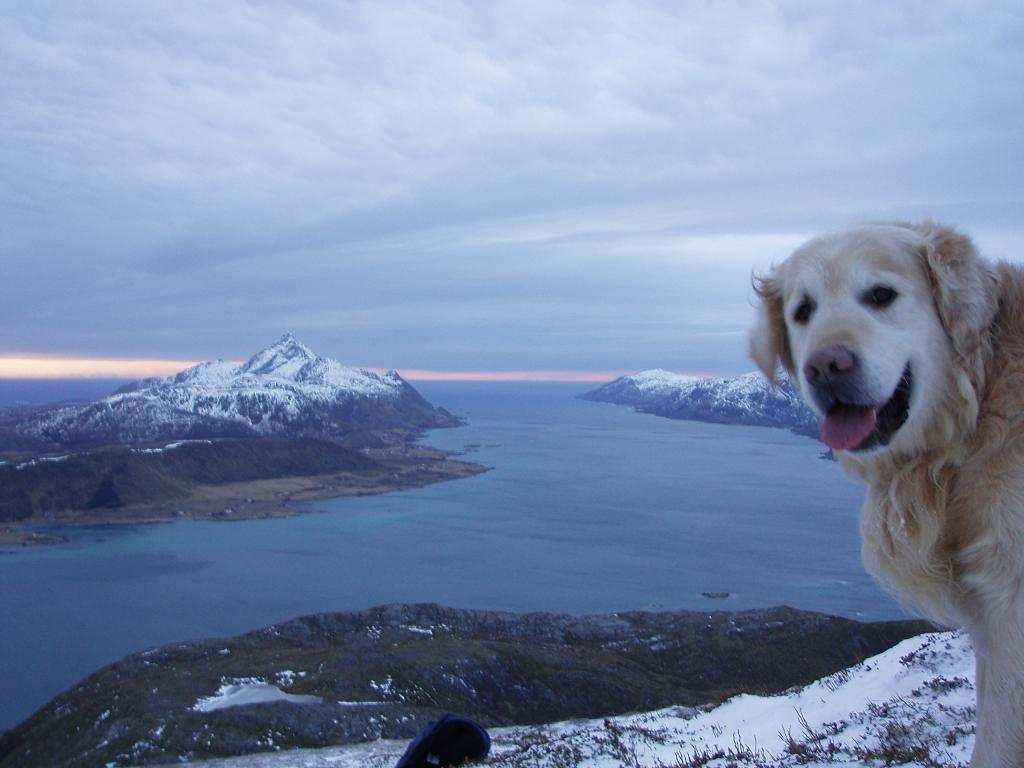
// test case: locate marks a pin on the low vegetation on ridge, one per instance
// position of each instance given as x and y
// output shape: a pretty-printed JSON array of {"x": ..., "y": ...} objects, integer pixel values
[
  {"x": 117, "y": 477},
  {"x": 385, "y": 672}
]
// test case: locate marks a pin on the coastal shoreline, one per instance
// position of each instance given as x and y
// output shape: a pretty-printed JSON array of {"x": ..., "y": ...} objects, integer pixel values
[
  {"x": 403, "y": 469},
  {"x": 19, "y": 535}
]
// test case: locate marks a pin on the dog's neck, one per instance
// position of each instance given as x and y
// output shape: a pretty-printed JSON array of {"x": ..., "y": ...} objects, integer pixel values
[{"x": 905, "y": 532}]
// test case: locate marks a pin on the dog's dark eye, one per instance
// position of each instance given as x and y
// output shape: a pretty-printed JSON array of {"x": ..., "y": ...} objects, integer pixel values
[
  {"x": 880, "y": 296},
  {"x": 803, "y": 311}
]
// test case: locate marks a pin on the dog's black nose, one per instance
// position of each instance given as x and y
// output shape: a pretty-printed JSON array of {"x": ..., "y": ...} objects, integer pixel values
[{"x": 829, "y": 364}]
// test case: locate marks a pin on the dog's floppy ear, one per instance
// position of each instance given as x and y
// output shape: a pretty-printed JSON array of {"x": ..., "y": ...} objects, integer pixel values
[
  {"x": 769, "y": 341},
  {"x": 965, "y": 290}
]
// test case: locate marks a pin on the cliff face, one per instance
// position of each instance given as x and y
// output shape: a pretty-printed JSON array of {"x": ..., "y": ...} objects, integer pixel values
[
  {"x": 351, "y": 677},
  {"x": 747, "y": 400}
]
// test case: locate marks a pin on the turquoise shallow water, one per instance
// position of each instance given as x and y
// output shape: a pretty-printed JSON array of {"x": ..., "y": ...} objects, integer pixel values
[{"x": 589, "y": 507}]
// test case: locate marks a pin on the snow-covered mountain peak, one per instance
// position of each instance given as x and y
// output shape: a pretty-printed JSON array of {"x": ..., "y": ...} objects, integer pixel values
[
  {"x": 284, "y": 358},
  {"x": 284, "y": 389}
]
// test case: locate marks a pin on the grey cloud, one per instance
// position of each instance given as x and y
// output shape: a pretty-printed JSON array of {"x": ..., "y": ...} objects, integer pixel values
[{"x": 479, "y": 184}]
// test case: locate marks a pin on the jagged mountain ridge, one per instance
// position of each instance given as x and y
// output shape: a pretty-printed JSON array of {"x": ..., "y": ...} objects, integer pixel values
[
  {"x": 747, "y": 399},
  {"x": 284, "y": 390}
]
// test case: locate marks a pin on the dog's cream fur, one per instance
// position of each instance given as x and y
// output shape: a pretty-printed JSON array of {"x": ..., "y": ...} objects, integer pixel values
[{"x": 943, "y": 522}]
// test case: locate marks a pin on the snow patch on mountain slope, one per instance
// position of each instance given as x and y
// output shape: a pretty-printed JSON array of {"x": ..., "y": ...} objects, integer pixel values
[
  {"x": 660, "y": 381},
  {"x": 40, "y": 460},
  {"x": 172, "y": 446},
  {"x": 912, "y": 705},
  {"x": 249, "y": 690}
]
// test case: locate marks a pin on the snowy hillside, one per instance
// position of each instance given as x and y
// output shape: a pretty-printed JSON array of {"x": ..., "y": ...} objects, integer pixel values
[
  {"x": 747, "y": 399},
  {"x": 912, "y": 705},
  {"x": 283, "y": 390}
]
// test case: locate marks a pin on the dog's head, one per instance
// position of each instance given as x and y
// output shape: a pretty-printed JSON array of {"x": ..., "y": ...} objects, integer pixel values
[{"x": 879, "y": 326}]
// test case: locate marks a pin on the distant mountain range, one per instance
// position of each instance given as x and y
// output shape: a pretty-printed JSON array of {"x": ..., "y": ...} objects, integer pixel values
[
  {"x": 285, "y": 390},
  {"x": 747, "y": 399}
]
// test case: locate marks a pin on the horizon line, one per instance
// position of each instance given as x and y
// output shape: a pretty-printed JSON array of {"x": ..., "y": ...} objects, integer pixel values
[{"x": 47, "y": 368}]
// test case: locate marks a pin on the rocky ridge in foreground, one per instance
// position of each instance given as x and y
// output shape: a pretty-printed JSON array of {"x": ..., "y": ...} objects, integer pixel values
[
  {"x": 912, "y": 706},
  {"x": 342, "y": 678}
]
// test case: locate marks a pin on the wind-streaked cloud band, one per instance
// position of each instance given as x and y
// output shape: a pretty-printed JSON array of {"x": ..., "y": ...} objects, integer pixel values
[{"x": 475, "y": 186}]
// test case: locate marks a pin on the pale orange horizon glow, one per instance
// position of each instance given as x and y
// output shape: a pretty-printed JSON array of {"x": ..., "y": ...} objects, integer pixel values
[
  {"x": 43, "y": 367},
  {"x": 52, "y": 367},
  {"x": 39, "y": 367}
]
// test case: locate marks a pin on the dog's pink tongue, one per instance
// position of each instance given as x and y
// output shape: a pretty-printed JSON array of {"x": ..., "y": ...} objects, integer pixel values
[{"x": 846, "y": 428}]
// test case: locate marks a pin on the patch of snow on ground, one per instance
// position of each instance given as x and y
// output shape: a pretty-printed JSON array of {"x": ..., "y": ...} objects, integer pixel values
[
  {"x": 419, "y": 630},
  {"x": 912, "y": 705},
  {"x": 42, "y": 459},
  {"x": 385, "y": 688},
  {"x": 172, "y": 446},
  {"x": 286, "y": 677},
  {"x": 248, "y": 690}
]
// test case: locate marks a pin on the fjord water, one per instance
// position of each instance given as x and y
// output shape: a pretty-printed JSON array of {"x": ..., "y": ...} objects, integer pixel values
[{"x": 589, "y": 507}]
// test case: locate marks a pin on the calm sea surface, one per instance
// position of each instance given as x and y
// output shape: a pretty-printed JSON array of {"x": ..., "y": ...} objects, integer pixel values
[{"x": 589, "y": 507}]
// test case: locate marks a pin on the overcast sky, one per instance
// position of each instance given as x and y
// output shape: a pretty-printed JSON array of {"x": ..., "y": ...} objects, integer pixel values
[{"x": 477, "y": 186}]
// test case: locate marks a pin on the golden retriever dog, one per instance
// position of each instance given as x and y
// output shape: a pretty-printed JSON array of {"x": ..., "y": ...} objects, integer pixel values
[{"x": 910, "y": 347}]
